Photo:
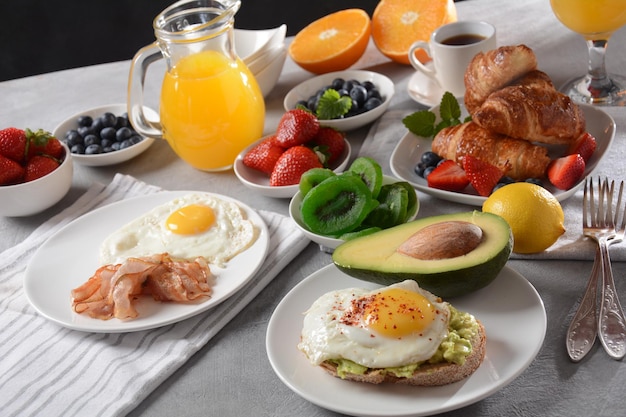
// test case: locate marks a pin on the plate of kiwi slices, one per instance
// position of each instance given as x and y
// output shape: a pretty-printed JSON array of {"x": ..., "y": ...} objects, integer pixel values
[{"x": 331, "y": 207}]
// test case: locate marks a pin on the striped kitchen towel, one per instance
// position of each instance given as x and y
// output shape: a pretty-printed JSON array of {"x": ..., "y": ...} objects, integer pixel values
[{"x": 48, "y": 370}]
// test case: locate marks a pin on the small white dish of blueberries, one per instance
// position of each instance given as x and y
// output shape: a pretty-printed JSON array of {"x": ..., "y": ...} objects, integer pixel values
[
  {"x": 360, "y": 96},
  {"x": 102, "y": 136}
]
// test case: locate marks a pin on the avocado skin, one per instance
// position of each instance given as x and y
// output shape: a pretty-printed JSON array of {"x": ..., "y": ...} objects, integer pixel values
[{"x": 445, "y": 284}]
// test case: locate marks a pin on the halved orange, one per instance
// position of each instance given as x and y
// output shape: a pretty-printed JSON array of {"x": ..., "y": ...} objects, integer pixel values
[
  {"x": 397, "y": 24},
  {"x": 333, "y": 42}
]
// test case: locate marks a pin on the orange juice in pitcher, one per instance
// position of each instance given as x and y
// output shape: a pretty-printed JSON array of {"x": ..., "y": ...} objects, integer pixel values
[{"x": 211, "y": 107}]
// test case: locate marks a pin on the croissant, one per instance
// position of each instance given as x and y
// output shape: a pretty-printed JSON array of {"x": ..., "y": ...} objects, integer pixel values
[
  {"x": 532, "y": 110},
  {"x": 492, "y": 70},
  {"x": 516, "y": 158}
]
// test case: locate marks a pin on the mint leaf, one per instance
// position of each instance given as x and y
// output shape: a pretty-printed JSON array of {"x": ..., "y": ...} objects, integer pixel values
[
  {"x": 332, "y": 105},
  {"x": 421, "y": 123}
]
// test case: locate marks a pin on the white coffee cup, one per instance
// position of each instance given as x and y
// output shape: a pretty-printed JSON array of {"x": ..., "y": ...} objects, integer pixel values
[{"x": 451, "y": 48}]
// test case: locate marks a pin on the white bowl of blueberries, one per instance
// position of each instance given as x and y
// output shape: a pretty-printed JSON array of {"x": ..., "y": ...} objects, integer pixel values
[
  {"x": 102, "y": 136},
  {"x": 369, "y": 94}
]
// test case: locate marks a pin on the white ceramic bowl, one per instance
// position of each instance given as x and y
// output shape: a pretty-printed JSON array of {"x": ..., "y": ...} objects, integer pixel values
[
  {"x": 110, "y": 158},
  {"x": 250, "y": 44},
  {"x": 267, "y": 77},
  {"x": 306, "y": 89},
  {"x": 33, "y": 197},
  {"x": 260, "y": 182},
  {"x": 327, "y": 244}
]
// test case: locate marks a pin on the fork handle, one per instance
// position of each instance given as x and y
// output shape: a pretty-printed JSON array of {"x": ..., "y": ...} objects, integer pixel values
[
  {"x": 611, "y": 321},
  {"x": 582, "y": 330}
]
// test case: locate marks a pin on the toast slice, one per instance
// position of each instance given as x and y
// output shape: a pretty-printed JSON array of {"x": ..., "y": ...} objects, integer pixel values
[{"x": 426, "y": 375}]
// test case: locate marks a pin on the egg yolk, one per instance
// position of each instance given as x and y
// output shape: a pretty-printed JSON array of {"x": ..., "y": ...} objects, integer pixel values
[
  {"x": 396, "y": 312},
  {"x": 190, "y": 220}
]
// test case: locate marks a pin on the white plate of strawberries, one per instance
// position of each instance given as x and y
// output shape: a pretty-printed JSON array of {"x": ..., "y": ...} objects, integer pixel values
[{"x": 273, "y": 165}]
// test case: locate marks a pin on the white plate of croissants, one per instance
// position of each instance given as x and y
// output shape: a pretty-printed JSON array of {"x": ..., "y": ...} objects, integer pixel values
[{"x": 519, "y": 123}]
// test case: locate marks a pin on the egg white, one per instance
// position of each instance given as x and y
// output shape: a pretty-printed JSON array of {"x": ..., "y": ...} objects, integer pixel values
[
  {"x": 148, "y": 235},
  {"x": 325, "y": 337}
]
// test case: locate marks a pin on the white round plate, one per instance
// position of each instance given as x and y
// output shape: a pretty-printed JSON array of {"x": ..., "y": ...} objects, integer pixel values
[
  {"x": 424, "y": 89},
  {"x": 410, "y": 148},
  {"x": 70, "y": 257},
  {"x": 326, "y": 243},
  {"x": 260, "y": 182},
  {"x": 509, "y": 352},
  {"x": 110, "y": 158},
  {"x": 309, "y": 87}
]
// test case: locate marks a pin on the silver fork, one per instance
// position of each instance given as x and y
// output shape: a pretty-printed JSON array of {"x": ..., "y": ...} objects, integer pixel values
[{"x": 600, "y": 225}]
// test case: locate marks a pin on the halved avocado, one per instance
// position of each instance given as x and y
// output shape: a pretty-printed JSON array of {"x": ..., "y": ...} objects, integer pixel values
[{"x": 449, "y": 255}]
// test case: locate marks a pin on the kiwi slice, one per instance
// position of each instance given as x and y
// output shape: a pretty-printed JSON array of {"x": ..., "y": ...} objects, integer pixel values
[
  {"x": 392, "y": 208},
  {"x": 413, "y": 203},
  {"x": 337, "y": 205},
  {"x": 370, "y": 172},
  {"x": 360, "y": 232},
  {"x": 312, "y": 178}
]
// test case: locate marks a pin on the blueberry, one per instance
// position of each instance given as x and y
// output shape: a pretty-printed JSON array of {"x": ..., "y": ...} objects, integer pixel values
[
  {"x": 78, "y": 148},
  {"x": 97, "y": 125},
  {"x": 85, "y": 120},
  {"x": 337, "y": 83},
  {"x": 108, "y": 119},
  {"x": 372, "y": 103},
  {"x": 122, "y": 134},
  {"x": 91, "y": 140},
  {"x": 93, "y": 149},
  {"x": 419, "y": 169},
  {"x": 72, "y": 137},
  {"x": 506, "y": 180},
  {"x": 302, "y": 103},
  {"x": 358, "y": 94},
  {"x": 108, "y": 149},
  {"x": 116, "y": 146},
  {"x": 122, "y": 121},
  {"x": 498, "y": 186},
  {"x": 368, "y": 85},
  {"x": 430, "y": 159},
  {"x": 343, "y": 92},
  {"x": 108, "y": 133},
  {"x": 374, "y": 93},
  {"x": 428, "y": 170},
  {"x": 85, "y": 130},
  {"x": 535, "y": 181},
  {"x": 126, "y": 144},
  {"x": 312, "y": 103},
  {"x": 135, "y": 139},
  {"x": 106, "y": 143}
]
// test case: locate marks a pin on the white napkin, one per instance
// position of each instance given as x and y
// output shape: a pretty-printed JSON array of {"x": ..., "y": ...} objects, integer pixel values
[
  {"x": 49, "y": 370},
  {"x": 387, "y": 132}
]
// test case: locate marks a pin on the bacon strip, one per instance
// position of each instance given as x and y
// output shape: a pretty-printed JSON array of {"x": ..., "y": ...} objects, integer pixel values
[{"x": 110, "y": 292}]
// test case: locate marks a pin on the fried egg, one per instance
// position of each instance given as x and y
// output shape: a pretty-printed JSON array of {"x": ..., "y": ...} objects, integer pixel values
[
  {"x": 387, "y": 327},
  {"x": 187, "y": 227}
]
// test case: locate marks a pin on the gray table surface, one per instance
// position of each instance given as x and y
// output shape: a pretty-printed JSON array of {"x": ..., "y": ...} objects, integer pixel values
[{"x": 231, "y": 375}]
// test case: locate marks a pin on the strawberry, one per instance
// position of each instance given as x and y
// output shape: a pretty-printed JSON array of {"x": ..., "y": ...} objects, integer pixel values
[
  {"x": 330, "y": 142},
  {"x": 482, "y": 175},
  {"x": 294, "y": 162},
  {"x": 39, "y": 166},
  {"x": 585, "y": 146},
  {"x": 11, "y": 172},
  {"x": 448, "y": 176},
  {"x": 42, "y": 143},
  {"x": 296, "y": 127},
  {"x": 263, "y": 156},
  {"x": 566, "y": 171},
  {"x": 13, "y": 144}
]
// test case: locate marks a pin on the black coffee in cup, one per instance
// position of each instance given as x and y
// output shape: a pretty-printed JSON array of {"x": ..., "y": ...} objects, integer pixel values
[{"x": 464, "y": 39}]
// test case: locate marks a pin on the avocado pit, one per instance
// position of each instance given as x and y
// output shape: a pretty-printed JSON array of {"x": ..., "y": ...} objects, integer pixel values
[{"x": 442, "y": 240}]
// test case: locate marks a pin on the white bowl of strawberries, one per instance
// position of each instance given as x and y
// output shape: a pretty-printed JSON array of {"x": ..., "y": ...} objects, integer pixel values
[
  {"x": 35, "y": 171},
  {"x": 273, "y": 165}
]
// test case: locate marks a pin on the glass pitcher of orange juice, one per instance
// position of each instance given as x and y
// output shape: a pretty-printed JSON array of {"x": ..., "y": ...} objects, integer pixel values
[{"x": 211, "y": 106}]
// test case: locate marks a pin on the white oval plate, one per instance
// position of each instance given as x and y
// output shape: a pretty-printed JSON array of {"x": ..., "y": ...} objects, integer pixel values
[
  {"x": 411, "y": 147},
  {"x": 509, "y": 352},
  {"x": 309, "y": 87},
  {"x": 326, "y": 243},
  {"x": 110, "y": 158},
  {"x": 70, "y": 257},
  {"x": 260, "y": 182}
]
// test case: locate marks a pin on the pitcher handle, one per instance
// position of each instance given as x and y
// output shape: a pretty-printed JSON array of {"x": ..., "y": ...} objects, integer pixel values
[{"x": 136, "y": 79}]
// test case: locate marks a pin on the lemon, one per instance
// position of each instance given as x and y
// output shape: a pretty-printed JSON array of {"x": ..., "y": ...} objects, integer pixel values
[{"x": 533, "y": 213}]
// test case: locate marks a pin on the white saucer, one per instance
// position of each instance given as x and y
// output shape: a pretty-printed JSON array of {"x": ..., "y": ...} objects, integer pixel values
[{"x": 424, "y": 89}]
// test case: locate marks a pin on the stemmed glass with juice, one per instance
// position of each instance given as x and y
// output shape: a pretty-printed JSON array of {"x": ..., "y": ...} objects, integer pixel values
[{"x": 211, "y": 107}]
